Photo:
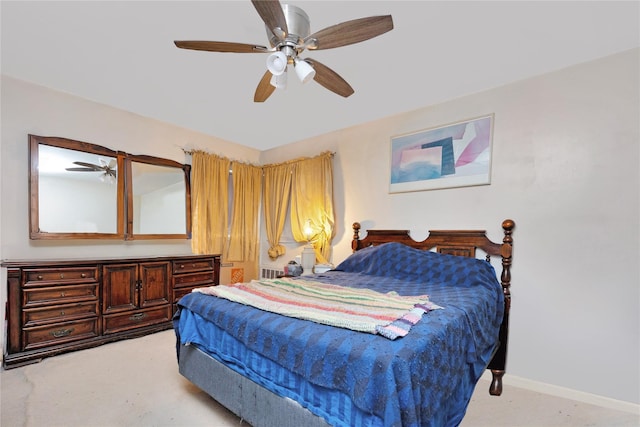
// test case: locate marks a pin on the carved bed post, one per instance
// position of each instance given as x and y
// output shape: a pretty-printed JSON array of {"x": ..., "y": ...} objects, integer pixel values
[
  {"x": 355, "y": 243},
  {"x": 498, "y": 363}
]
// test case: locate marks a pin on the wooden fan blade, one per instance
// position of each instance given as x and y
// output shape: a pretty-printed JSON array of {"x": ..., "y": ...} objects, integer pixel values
[
  {"x": 264, "y": 89},
  {"x": 350, "y": 32},
  {"x": 330, "y": 79},
  {"x": 271, "y": 13},
  {"x": 89, "y": 166},
  {"x": 220, "y": 46},
  {"x": 81, "y": 170}
]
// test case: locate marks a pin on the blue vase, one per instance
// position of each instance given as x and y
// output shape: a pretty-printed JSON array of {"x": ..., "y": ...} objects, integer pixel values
[{"x": 294, "y": 269}]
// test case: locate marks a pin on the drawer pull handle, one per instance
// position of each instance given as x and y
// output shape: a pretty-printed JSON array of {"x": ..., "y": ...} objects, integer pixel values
[
  {"x": 61, "y": 276},
  {"x": 62, "y": 313},
  {"x": 61, "y": 333},
  {"x": 83, "y": 275},
  {"x": 181, "y": 265},
  {"x": 39, "y": 277},
  {"x": 62, "y": 294},
  {"x": 138, "y": 316}
]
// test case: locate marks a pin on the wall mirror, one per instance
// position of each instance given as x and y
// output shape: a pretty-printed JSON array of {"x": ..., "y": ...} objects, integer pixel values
[
  {"x": 157, "y": 201},
  {"x": 80, "y": 190}
]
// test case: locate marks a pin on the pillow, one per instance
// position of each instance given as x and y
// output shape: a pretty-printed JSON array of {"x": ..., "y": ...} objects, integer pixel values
[{"x": 407, "y": 263}]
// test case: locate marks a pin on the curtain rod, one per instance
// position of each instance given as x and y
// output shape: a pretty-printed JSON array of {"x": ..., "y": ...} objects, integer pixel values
[{"x": 331, "y": 153}]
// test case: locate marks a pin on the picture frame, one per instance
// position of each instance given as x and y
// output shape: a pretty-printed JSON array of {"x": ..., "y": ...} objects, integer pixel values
[{"x": 449, "y": 156}]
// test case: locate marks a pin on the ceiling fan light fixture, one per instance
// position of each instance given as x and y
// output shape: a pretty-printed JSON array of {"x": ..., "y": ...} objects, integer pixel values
[
  {"x": 277, "y": 63},
  {"x": 108, "y": 178},
  {"x": 279, "y": 81},
  {"x": 304, "y": 70}
]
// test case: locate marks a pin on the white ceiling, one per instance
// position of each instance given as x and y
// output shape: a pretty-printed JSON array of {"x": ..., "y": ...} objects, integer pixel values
[{"x": 121, "y": 53}]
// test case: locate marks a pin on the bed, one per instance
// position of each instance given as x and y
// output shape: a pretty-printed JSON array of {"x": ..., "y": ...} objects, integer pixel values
[{"x": 276, "y": 370}]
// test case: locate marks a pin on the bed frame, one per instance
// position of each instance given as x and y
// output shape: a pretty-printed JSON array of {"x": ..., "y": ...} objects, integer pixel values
[
  {"x": 461, "y": 243},
  {"x": 261, "y": 407}
]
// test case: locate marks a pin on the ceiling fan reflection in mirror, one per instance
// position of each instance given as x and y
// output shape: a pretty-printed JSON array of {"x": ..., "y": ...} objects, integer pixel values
[
  {"x": 289, "y": 34},
  {"x": 108, "y": 169}
]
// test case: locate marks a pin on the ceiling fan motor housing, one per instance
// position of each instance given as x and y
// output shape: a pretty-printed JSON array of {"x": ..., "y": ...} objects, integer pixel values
[{"x": 298, "y": 25}]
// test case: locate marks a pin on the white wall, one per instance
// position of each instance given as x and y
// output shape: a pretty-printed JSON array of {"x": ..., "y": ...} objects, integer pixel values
[
  {"x": 30, "y": 109},
  {"x": 565, "y": 168}
]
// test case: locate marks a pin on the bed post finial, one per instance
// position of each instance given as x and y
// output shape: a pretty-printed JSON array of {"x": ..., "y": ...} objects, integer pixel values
[
  {"x": 508, "y": 226},
  {"x": 356, "y": 236}
]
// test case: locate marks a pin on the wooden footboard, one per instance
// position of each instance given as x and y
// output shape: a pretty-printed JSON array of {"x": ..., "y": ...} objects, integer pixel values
[{"x": 461, "y": 243}]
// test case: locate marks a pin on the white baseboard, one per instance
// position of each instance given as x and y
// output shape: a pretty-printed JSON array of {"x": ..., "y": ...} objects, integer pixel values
[{"x": 566, "y": 393}]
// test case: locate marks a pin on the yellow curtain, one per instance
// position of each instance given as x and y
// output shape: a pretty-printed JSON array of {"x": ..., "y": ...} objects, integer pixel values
[
  {"x": 276, "y": 191},
  {"x": 243, "y": 238},
  {"x": 307, "y": 182},
  {"x": 210, "y": 202},
  {"x": 312, "y": 201}
]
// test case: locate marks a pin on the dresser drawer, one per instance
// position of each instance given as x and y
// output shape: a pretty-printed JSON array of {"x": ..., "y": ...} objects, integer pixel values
[
  {"x": 204, "y": 278},
  {"x": 44, "y": 276},
  {"x": 179, "y": 293},
  {"x": 60, "y": 333},
  {"x": 59, "y": 295},
  {"x": 59, "y": 313},
  {"x": 187, "y": 266},
  {"x": 135, "y": 319}
]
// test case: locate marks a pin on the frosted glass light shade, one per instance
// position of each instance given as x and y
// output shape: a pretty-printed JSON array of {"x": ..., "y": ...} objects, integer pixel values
[
  {"x": 279, "y": 81},
  {"x": 277, "y": 63},
  {"x": 304, "y": 71}
]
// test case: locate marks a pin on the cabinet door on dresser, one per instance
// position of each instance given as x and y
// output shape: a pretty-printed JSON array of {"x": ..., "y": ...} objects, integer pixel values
[
  {"x": 155, "y": 284},
  {"x": 119, "y": 288},
  {"x": 135, "y": 295}
]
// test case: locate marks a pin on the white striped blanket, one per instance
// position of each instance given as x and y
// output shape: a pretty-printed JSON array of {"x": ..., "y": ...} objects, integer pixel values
[{"x": 390, "y": 315}]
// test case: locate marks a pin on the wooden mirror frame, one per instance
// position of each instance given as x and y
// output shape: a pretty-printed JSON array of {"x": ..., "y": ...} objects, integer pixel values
[
  {"x": 124, "y": 196},
  {"x": 35, "y": 233},
  {"x": 156, "y": 161}
]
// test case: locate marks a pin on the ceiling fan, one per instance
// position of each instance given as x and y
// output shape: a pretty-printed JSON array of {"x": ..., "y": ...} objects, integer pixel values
[
  {"x": 289, "y": 35},
  {"x": 108, "y": 169}
]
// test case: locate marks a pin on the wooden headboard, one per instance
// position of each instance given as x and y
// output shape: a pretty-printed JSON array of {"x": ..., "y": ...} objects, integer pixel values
[{"x": 461, "y": 243}]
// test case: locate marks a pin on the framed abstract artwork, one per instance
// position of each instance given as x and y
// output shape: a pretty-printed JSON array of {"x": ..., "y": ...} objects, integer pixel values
[{"x": 453, "y": 155}]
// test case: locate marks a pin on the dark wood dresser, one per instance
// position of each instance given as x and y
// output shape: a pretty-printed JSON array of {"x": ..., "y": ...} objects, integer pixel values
[{"x": 55, "y": 307}]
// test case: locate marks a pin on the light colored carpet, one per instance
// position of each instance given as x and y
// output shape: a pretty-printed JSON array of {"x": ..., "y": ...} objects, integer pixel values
[{"x": 136, "y": 383}]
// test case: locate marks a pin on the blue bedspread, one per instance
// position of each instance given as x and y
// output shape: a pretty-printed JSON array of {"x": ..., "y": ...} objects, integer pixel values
[{"x": 423, "y": 379}]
